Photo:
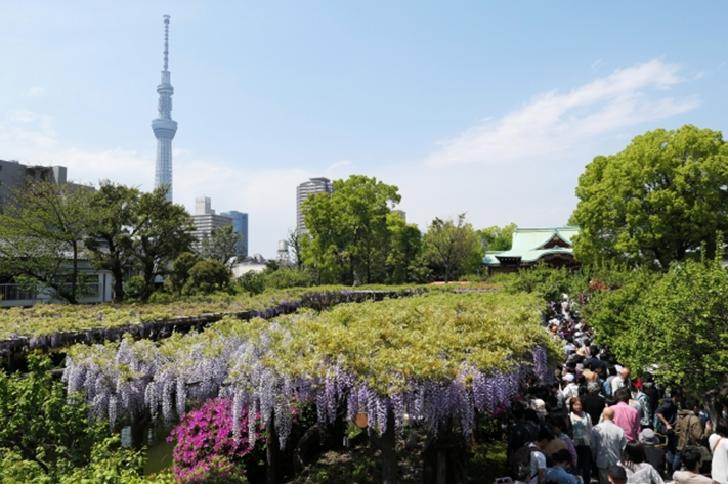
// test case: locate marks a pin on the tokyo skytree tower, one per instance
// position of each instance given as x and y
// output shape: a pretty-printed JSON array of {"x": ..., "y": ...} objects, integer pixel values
[{"x": 164, "y": 127}]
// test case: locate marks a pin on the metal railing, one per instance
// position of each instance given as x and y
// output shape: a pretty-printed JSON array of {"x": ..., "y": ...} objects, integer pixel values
[{"x": 15, "y": 292}]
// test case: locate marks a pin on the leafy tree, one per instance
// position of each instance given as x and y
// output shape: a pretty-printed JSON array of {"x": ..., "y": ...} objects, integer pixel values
[
  {"x": 41, "y": 233},
  {"x": 222, "y": 245},
  {"x": 110, "y": 229},
  {"x": 40, "y": 425},
  {"x": 252, "y": 282},
  {"x": 656, "y": 201},
  {"x": 348, "y": 230},
  {"x": 288, "y": 278},
  {"x": 162, "y": 233},
  {"x": 180, "y": 272},
  {"x": 404, "y": 250},
  {"x": 206, "y": 277},
  {"x": 677, "y": 321},
  {"x": 295, "y": 240},
  {"x": 452, "y": 247},
  {"x": 498, "y": 238}
]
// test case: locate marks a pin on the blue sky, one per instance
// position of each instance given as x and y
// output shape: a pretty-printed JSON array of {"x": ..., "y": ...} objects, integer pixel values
[{"x": 477, "y": 107}]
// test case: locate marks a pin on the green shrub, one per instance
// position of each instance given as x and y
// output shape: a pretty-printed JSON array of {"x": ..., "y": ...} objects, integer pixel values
[
  {"x": 206, "y": 277},
  {"x": 134, "y": 288},
  {"x": 288, "y": 278},
  {"x": 252, "y": 282}
]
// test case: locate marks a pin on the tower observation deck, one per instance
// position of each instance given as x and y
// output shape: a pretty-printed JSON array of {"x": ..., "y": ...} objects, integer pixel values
[{"x": 164, "y": 127}]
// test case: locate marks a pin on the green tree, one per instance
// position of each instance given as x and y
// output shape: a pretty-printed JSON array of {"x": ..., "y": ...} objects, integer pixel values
[
  {"x": 497, "y": 238},
  {"x": 110, "y": 230},
  {"x": 41, "y": 233},
  {"x": 206, "y": 277},
  {"x": 40, "y": 425},
  {"x": 453, "y": 247},
  {"x": 162, "y": 233},
  {"x": 180, "y": 272},
  {"x": 222, "y": 246},
  {"x": 654, "y": 202},
  {"x": 404, "y": 250},
  {"x": 348, "y": 230}
]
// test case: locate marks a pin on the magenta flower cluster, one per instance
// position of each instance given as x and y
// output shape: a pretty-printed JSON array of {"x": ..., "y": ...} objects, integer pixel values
[{"x": 205, "y": 444}]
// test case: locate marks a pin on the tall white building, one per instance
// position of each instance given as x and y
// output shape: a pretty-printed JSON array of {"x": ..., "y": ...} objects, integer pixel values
[
  {"x": 313, "y": 185},
  {"x": 164, "y": 127},
  {"x": 206, "y": 220}
]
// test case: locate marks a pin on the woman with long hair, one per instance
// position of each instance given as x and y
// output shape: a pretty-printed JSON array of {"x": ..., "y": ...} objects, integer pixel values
[
  {"x": 635, "y": 462},
  {"x": 580, "y": 426}
]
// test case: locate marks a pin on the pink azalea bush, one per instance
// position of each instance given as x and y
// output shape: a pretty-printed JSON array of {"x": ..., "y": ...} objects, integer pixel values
[{"x": 206, "y": 451}]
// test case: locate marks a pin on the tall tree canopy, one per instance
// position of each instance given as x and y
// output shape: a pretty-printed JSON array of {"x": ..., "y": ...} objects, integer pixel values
[
  {"x": 656, "y": 201},
  {"x": 41, "y": 231},
  {"x": 453, "y": 247},
  {"x": 348, "y": 232},
  {"x": 498, "y": 238}
]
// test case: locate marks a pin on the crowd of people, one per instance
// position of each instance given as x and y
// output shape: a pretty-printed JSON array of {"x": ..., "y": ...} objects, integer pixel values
[{"x": 598, "y": 422}]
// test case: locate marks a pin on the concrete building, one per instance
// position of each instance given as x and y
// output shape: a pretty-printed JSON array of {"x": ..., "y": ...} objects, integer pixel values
[
  {"x": 240, "y": 226},
  {"x": 206, "y": 220},
  {"x": 164, "y": 127},
  {"x": 313, "y": 185},
  {"x": 13, "y": 174}
]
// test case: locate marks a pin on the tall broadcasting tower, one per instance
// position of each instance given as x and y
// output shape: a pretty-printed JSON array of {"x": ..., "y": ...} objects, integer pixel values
[{"x": 164, "y": 127}]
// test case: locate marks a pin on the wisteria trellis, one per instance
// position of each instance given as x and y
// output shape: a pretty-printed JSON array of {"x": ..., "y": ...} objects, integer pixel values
[{"x": 136, "y": 377}]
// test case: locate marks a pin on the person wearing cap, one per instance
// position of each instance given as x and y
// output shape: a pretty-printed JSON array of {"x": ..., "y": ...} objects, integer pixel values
[
  {"x": 558, "y": 473},
  {"x": 638, "y": 470},
  {"x": 718, "y": 443},
  {"x": 608, "y": 441},
  {"x": 571, "y": 389},
  {"x": 692, "y": 460},
  {"x": 616, "y": 475},
  {"x": 656, "y": 456}
]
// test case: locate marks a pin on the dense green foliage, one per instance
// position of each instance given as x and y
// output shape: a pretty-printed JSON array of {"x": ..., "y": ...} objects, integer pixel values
[
  {"x": 42, "y": 226},
  {"x": 45, "y": 437},
  {"x": 655, "y": 202},
  {"x": 498, "y": 238},
  {"x": 677, "y": 322},
  {"x": 47, "y": 228},
  {"x": 348, "y": 230},
  {"x": 453, "y": 248}
]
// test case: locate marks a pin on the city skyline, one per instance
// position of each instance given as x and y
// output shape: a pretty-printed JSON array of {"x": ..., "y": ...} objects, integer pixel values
[{"x": 490, "y": 109}]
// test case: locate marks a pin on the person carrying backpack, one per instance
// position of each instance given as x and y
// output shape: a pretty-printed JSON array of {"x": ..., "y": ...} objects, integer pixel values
[{"x": 531, "y": 455}]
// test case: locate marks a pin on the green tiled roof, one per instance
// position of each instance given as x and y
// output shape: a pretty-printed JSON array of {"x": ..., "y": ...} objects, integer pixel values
[{"x": 528, "y": 244}]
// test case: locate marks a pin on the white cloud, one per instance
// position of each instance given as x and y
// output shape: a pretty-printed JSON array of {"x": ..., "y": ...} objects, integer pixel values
[
  {"x": 550, "y": 124},
  {"x": 36, "y": 91}
]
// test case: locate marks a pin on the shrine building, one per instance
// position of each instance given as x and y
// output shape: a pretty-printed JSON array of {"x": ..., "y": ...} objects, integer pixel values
[{"x": 530, "y": 246}]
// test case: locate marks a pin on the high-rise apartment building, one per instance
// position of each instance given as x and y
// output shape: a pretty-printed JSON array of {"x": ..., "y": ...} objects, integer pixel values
[
  {"x": 240, "y": 226},
  {"x": 313, "y": 185},
  {"x": 164, "y": 127},
  {"x": 206, "y": 220}
]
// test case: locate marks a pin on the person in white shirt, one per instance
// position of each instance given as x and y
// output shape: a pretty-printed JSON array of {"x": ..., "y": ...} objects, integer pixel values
[
  {"x": 635, "y": 463},
  {"x": 718, "y": 443},
  {"x": 607, "y": 442}
]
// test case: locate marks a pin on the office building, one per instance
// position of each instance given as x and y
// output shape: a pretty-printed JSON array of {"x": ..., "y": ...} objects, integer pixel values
[
  {"x": 164, "y": 127},
  {"x": 206, "y": 220},
  {"x": 313, "y": 185},
  {"x": 240, "y": 226}
]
